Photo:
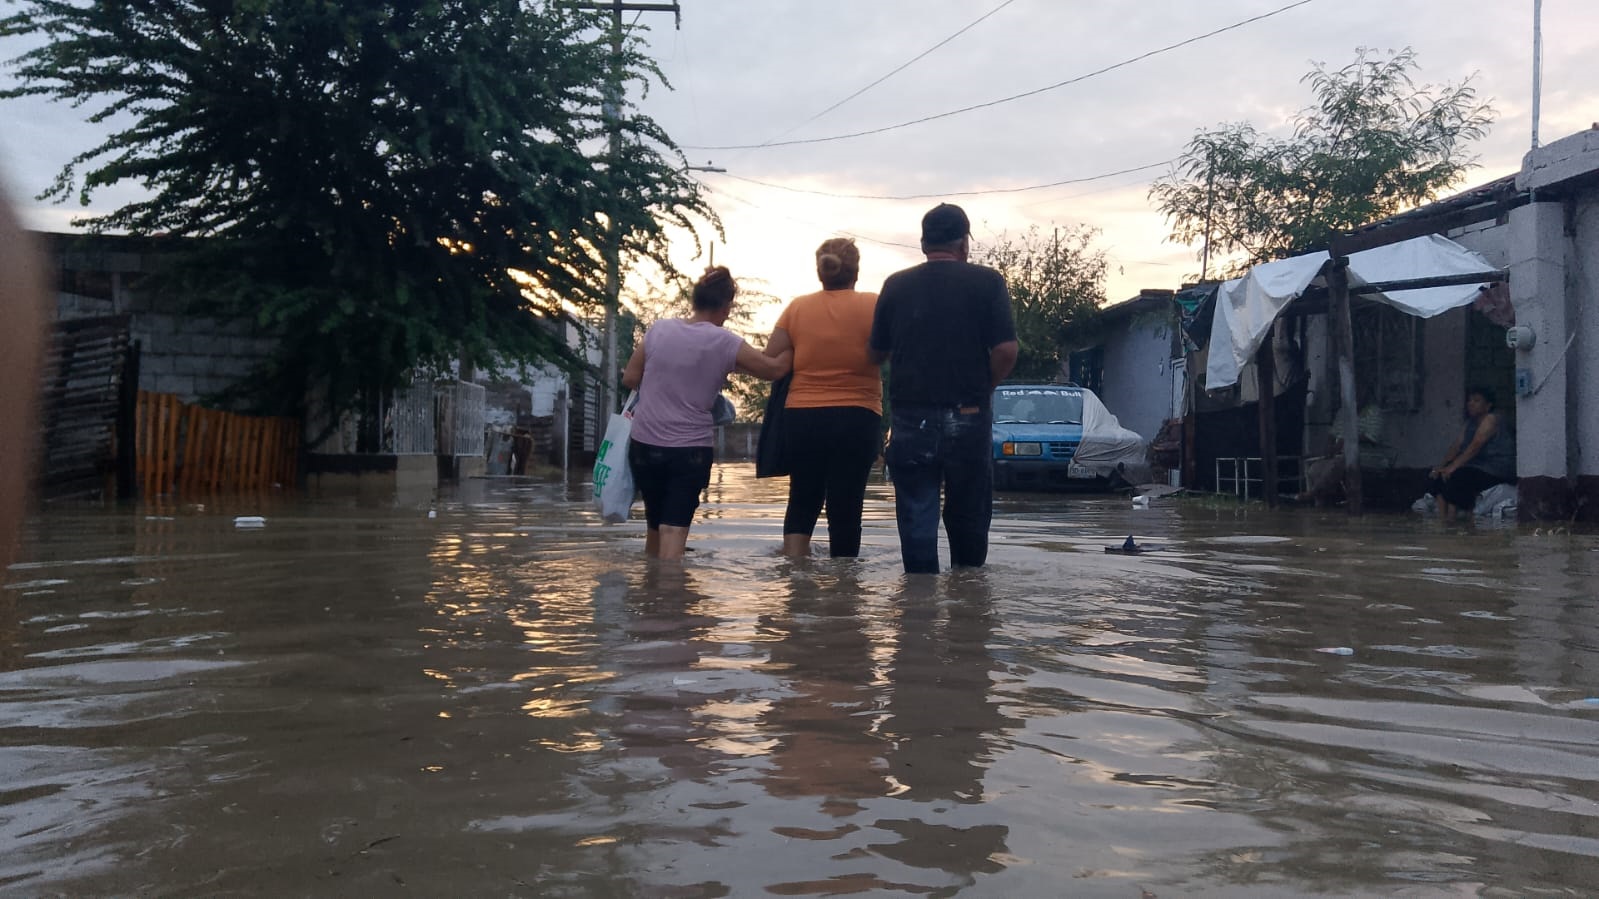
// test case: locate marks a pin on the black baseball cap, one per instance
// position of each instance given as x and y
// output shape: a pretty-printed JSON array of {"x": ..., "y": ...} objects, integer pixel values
[{"x": 945, "y": 223}]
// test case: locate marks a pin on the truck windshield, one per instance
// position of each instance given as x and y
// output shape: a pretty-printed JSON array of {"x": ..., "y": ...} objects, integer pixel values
[{"x": 1038, "y": 407}]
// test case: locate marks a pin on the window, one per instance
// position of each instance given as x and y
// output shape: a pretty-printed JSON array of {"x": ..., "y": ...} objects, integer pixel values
[
  {"x": 1035, "y": 406},
  {"x": 1388, "y": 364}
]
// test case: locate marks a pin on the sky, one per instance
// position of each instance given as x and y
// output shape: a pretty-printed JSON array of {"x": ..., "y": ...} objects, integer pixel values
[{"x": 751, "y": 72}]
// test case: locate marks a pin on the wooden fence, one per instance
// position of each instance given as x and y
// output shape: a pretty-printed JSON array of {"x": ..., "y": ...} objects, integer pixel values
[{"x": 184, "y": 448}]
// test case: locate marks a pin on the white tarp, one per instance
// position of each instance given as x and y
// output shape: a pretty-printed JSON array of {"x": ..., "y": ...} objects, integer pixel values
[
  {"x": 1430, "y": 256},
  {"x": 1106, "y": 444},
  {"x": 1245, "y": 308}
]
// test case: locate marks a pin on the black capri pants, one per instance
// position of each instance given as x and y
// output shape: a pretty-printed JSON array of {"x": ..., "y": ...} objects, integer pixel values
[
  {"x": 830, "y": 451},
  {"x": 670, "y": 479},
  {"x": 1462, "y": 487}
]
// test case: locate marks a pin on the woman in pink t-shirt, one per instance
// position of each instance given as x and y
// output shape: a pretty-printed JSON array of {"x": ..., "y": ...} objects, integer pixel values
[{"x": 678, "y": 370}]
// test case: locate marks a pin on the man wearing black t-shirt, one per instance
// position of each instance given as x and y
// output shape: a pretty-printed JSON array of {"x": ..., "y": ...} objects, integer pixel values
[{"x": 945, "y": 328}]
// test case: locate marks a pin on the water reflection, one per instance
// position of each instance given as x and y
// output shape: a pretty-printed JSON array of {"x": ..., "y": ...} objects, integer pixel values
[
  {"x": 506, "y": 699},
  {"x": 826, "y": 742},
  {"x": 943, "y": 727},
  {"x": 653, "y": 636}
]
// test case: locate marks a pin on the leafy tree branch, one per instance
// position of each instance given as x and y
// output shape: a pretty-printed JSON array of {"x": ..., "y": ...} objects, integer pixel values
[{"x": 1373, "y": 144}]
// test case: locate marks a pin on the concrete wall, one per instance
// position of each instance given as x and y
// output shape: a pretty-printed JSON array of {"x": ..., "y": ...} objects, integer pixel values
[
  {"x": 1137, "y": 376},
  {"x": 407, "y": 477},
  {"x": 1538, "y": 291},
  {"x": 194, "y": 358},
  {"x": 1420, "y": 437},
  {"x": 1555, "y": 252},
  {"x": 191, "y": 356},
  {"x": 1415, "y": 438},
  {"x": 1582, "y": 279}
]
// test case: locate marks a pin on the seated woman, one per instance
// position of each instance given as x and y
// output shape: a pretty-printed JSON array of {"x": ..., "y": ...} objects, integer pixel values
[{"x": 1482, "y": 456}]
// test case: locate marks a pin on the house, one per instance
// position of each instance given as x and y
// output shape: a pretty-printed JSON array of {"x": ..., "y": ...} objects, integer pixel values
[
  {"x": 1530, "y": 243},
  {"x": 1137, "y": 369}
]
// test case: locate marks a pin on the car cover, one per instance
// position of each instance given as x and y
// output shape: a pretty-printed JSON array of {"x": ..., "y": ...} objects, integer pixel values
[{"x": 1106, "y": 444}]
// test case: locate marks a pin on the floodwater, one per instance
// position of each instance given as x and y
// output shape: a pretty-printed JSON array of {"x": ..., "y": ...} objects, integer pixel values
[{"x": 504, "y": 699}]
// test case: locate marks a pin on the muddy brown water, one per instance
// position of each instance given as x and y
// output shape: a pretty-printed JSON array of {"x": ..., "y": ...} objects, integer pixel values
[{"x": 505, "y": 700}]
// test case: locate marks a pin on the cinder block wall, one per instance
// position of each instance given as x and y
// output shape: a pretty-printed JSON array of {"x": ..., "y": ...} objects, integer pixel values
[
  {"x": 192, "y": 356},
  {"x": 195, "y": 358}
]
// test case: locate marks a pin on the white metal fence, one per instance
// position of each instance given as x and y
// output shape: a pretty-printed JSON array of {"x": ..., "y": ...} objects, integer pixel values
[
  {"x": 409, "y": 422},
  {"x": 461, "y": 407}
]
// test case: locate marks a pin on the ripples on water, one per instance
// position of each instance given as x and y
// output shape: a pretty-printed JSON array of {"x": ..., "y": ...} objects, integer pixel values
[{"x": 506, "y": 700}]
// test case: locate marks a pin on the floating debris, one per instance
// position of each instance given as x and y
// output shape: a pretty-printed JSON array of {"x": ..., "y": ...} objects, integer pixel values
[{"x": 1131, "y": 547}]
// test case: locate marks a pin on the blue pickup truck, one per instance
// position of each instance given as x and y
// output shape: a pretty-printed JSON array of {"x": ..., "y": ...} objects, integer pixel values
[{"x": 1039, "y": 434}]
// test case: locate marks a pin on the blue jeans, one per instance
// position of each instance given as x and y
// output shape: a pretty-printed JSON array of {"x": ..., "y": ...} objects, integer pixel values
[{"x": 933, "y": 447}]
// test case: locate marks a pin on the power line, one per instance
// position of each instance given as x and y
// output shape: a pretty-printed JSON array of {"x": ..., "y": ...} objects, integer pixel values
[
  {"x": 954, "y": 112},
  {"x": 888, "y": 243},
  {"x": 759, "y": 208},
  {"x": 902, "y": 67},
  {"x": 1085, "y": 193},
  {"x": 963, "y": 193}
]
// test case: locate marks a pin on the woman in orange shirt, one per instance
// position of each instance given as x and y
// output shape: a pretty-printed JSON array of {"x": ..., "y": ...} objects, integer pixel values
[{"x": 835, "y": 404}]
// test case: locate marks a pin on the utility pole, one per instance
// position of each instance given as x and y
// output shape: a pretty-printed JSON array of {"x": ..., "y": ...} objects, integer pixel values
[
  {"x": 709, "y": 166},
  {"x": 1537, "y": 66},
  {"x": 613, "y": 244}
]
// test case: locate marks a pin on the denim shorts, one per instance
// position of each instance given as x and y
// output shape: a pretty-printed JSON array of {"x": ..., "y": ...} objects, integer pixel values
[{"x": 670, "y": 479}]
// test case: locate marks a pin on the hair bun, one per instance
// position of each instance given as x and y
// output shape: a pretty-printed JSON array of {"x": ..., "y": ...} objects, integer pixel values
[
  {"x": 715, "y": 289},
  {"x": 838, "y": 262},
  {"x": 716, "y": 273}
]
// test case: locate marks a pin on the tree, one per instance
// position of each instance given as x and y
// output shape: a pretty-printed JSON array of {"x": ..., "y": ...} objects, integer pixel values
[
  {"x": 1057, "y": 284},
  {"x": 387, "y": 185},
  {"x": 1373, "y": 144}
]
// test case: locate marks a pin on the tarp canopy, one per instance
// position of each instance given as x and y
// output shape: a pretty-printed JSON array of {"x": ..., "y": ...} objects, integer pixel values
[{"x": 1247, "y": 306}]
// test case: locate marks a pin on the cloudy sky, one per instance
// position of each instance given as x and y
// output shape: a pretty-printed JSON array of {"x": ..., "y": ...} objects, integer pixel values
[
  {"x": 773, "y": 72},
  {"x": 756, "y": 72}
]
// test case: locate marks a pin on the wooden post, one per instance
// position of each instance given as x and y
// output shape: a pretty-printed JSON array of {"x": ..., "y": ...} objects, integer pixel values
[
  {"x": 1266, "y": 391},
  {"x": 128, "y": 425},
  {"x": 171, "y": 427},
  {"x": 1190, "y": 434},
  {"x": 1344, "y": 339}
]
